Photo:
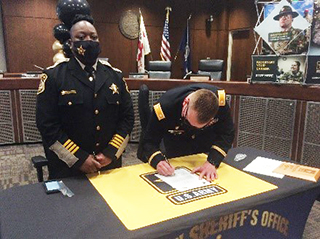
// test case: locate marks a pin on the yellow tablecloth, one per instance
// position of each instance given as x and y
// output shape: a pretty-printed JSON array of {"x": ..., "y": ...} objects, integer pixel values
[{"x": 138, "y": 204}]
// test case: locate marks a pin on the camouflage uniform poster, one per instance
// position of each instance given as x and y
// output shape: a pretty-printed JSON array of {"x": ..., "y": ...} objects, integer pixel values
[
  {"x": 313, "y": 60},
  {"x": 291, "y": 69},
  {"x": 314, "y": 49},
  {"x": 284, "y": 29},
  {"x": 278, "y": 69}
]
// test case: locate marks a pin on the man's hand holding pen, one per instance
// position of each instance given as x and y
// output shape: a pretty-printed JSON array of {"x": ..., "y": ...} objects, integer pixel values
[{"x": 165, "y": 168}]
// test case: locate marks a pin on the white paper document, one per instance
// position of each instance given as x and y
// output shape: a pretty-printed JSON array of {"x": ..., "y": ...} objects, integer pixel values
[
  {"x": 264, "y": 166},
  {"x": 183, "y": 180}
]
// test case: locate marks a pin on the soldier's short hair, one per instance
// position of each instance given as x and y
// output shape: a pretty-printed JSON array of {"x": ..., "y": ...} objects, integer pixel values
[
  {"x": 206, "y": 103},
  {"x": 298, "y": 63}
]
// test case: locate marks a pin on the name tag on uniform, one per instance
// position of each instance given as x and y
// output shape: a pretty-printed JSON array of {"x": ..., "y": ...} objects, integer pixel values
[
  {"x": 176, "y": 131},
  {"x": 68, "y": 92}
]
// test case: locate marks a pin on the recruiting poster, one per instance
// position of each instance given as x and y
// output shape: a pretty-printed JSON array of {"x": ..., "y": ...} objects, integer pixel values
[
  {"x": 264, "y": 68},
  {"x": 284, "y": 29},
  {"x": 313, "y": 60},
  {"x": 289, "y": 35},
  {"x": 291, "y": 69},
  {"x": 280, "y": 69}
]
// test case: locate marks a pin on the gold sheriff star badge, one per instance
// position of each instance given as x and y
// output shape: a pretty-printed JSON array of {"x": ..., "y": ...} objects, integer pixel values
[
  {"x": 114, "y": 88},
  {"x": 81, "y": 51}
]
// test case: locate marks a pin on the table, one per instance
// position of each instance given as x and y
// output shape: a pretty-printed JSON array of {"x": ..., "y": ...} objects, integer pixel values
[{"x": 281, "y": 212}]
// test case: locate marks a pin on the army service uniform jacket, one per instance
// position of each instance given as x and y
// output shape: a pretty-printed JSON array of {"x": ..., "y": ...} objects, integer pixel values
[
  {"x": 78, "y": 115},
  {"x": 166, "y": 123},
  {"x": 291, "y": 77}
]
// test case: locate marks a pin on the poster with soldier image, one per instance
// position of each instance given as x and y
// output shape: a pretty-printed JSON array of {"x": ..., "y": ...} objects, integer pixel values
[
  {"x": 284, "y": 29},
  {"x": 313, "y": 60},
  {"x": 291, "y": 69},
  {"x": 315, "y": 31},
  {"x": 288, "y": 69}
]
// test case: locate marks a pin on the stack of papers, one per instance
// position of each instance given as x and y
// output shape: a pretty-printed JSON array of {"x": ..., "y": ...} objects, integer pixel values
[{"x": 264, "y": 166}]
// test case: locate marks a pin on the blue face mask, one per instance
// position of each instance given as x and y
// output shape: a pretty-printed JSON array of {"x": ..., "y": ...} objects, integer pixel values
[{"x": 86, "y": 51}]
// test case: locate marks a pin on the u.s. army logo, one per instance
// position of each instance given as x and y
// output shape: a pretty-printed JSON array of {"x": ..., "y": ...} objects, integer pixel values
[
  {"x": 42, "y": 84},
  {"x": 182, "y": 197}
]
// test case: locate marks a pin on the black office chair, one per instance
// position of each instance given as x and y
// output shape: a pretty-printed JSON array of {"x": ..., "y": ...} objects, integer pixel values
[
  {"x": 159, "y": 69},
  {"x": 144, "y": 114},
  {"x": 213, "y": 67},
  {"x": 39, "y": 162}
]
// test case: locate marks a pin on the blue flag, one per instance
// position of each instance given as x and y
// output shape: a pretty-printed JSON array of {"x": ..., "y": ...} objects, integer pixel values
[{"x": 185, "y": 48}]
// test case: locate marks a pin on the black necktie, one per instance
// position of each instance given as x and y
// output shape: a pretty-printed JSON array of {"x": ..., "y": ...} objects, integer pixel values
[
  {"x": 89, "y": 70},
  {"x": 91, "y": 76}
]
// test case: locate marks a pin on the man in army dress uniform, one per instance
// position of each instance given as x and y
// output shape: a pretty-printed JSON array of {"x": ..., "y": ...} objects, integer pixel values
[
  {"x": 294, "y": 75},
  {"x": 190, "y": 119},
  {"x": 290, "y": 40},
  {"x": 84, "y": 109}
]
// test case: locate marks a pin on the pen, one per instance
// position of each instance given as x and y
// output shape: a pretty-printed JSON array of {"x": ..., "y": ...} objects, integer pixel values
[
  {"x": 94, "y": 156},
  {"x": 165, "y": 158}
]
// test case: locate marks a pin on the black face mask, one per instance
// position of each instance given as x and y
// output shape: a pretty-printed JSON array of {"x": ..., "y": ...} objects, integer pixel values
[
  {"x": 187, "y": 126},
  {"x": 86, "y": 51}
]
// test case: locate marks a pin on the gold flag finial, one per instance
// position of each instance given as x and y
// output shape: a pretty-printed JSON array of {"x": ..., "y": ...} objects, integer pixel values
[{"x": 168, "y": 10}]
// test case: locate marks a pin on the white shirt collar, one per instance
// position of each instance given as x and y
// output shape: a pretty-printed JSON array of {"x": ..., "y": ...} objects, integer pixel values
[{"x": 83, "y": 65}]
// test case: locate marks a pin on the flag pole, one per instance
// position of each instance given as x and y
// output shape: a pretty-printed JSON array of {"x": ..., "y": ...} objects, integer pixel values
[
  {"x": 176, "y": 55},
  {"x": 164, "y": 57}
]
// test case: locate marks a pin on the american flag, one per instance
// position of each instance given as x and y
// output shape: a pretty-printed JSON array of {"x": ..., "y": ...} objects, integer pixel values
[{"x": 165, "y": 44}]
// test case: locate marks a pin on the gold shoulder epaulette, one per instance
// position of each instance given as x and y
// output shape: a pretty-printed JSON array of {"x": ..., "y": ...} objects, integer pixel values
[
  {"x": 108, "y": 64},
  {"x": 42, "y": 84},
  {"x": 125, "y": 83},
  {"x": 58, "y": 63},
  {"x": 158, "y": 110},
  {"x": 222, "y": 97}
]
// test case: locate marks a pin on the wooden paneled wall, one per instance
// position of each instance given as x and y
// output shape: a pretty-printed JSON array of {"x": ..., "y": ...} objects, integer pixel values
[{"x": 28, "y": 30}]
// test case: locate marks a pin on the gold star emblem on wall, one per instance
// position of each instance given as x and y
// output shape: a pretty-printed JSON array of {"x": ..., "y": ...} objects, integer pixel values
[
  {"x": 114, "y": 88},
  {"x": 81, "y": 51}
]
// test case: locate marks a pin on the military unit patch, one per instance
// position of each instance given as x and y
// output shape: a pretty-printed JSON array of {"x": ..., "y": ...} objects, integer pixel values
[{"x": 42, "y": 84}]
